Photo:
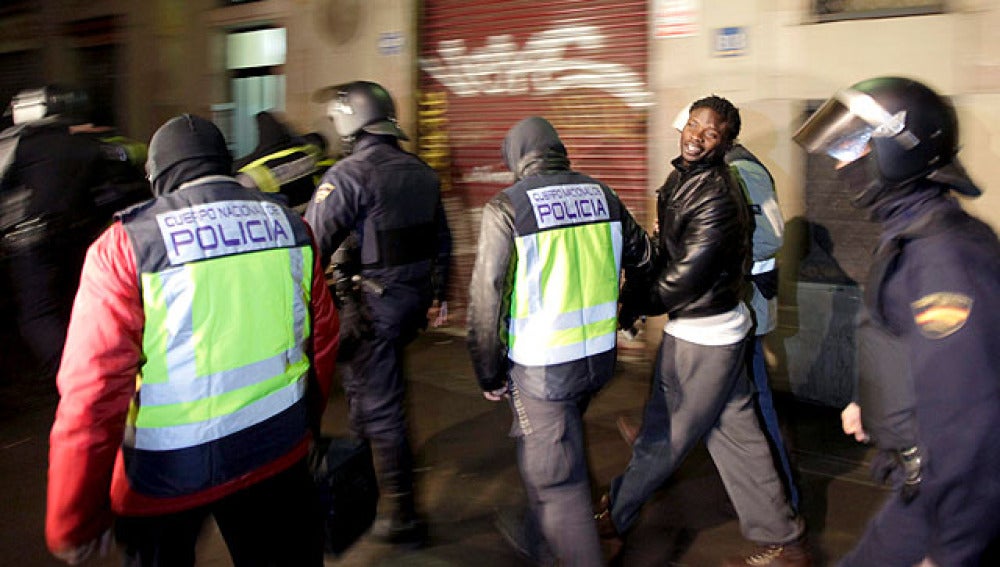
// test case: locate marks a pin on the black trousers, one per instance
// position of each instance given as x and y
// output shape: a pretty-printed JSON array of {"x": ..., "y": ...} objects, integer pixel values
[
  {"x": 42, "y": 279},
  {"x": 276, "y": 522}
]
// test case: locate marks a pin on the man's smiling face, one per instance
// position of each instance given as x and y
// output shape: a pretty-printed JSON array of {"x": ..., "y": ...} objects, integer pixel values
[{"x": 704, "y": 132}]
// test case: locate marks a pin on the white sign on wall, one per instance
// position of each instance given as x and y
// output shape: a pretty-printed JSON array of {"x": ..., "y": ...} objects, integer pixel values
[{"x": 675, "y": 18}]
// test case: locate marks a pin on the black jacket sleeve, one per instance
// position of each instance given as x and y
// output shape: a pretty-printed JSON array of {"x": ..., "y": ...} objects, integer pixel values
[
  {"x": 442, "y": 261},
  {"x": 706, "y": 223},
  {"x": 489, "y": 294},
  {"x": 640, "y": 255}
]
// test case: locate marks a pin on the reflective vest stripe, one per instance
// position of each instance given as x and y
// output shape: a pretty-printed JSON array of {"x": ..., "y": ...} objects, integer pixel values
[
  {"x": 578, "y": 318},
  {"x": 262, "y": 177},
  {"x": 270, "y": 178},
  {"x": 226, "y": 385},
  {"x": 578, "y": 351},
  {"x": 206, "y": 428},
  {"x": 570, "y": 321},
  {"x": 312, "y": 151},
  {"x": 761, "y": 266},
  {"x": 189, "y": 388}
]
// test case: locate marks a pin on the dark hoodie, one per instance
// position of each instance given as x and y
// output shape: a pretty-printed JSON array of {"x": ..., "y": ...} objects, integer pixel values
[
  {"x": 533, "y": 146},
  {"x": 186, "y": 148}
]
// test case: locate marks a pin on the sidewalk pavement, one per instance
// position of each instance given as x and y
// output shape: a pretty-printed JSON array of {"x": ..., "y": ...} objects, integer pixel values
[{"x": 467, "y": 471}]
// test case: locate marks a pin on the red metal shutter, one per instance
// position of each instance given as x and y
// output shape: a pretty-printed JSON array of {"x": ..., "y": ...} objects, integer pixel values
[{"x": 486, "y": 65}]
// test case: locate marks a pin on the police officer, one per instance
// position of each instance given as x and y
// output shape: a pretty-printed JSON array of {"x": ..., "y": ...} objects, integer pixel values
[
  {"x": 389, "y": 202},
  {"x": 929, "y": 389},
  {"x": 282, "y": 163},
  {"x": 123, "y": 179},
  {"x": 758, "y": 188},
  {"x": 48, "y": 213},
  {"x": 542, "y": 324},
  {"x": 197, "y": 366}
]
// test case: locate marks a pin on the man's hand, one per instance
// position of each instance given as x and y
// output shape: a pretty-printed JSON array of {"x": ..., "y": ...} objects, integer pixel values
[
  {"x": 437, "y": 315},
  {"x": 497, "y": 395},
  {"x": 850, "y": 420}
]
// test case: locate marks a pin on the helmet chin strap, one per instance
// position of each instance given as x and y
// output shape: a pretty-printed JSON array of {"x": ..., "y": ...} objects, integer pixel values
[
  {"x": 864, "y": 181},
  {"x": 871, "y": 191},
  {"x": 347, "y": 143}
]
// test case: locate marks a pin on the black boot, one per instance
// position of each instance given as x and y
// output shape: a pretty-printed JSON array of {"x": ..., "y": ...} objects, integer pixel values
[{"x": 398, "y": 522}]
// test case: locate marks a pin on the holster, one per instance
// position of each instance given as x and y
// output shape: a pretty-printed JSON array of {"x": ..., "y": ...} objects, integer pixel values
[{"x": 355, "y": 325}]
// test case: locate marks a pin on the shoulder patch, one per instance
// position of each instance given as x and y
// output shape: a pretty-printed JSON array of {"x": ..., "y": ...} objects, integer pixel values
[
  {"x": 322, "y": 192},
  {"x": 940, "y": 314}
]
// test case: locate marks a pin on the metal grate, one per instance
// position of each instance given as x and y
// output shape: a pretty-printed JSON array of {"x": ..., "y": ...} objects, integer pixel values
[{"x": 486, "y": 65}]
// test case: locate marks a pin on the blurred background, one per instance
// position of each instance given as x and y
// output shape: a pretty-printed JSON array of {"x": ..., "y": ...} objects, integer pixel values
[{"x": 610, "y": 74}]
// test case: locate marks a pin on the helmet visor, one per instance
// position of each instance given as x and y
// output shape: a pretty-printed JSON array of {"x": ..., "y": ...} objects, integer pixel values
[
  {"x": 342, "y": 114},
  {"x": 846, "y": 123}
]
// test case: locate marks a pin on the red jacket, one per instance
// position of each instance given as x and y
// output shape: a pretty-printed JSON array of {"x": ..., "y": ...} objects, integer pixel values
[{"x": 97, "y": 380}]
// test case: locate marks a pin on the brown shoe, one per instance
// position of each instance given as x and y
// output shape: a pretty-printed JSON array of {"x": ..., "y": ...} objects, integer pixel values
[
  {"x": 627, "y": 430},
  {"x": 611, "y": 541},
  {"x": 792, "y": 554},
  {"x": 605, "y": 526}
]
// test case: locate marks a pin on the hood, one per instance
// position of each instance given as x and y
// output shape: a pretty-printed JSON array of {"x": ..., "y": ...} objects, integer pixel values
[
  {"x": 533, "y": 145},
  {"x": 272, "y": 135},
  {"x": 186, "y": 148}
]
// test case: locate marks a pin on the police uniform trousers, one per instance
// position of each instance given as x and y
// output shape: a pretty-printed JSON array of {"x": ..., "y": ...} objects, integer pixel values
[
  {"x": 769, "y": 416},
  {"x": 376, "y": 393},
  {"x": 43, "y": 278},
  {"x": 276, "y": 522},
  {"x": 702, "y": 392},
  {"x": 553, "y": 465}
]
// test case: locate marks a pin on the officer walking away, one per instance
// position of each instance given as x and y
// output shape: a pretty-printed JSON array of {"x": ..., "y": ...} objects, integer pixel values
[
  {"x": 283, "y": 163},
  {"x": 122, "y": 178},
  {"x": 929, "y": 384},
  {"x": 386, "y": 203},
  {"x": 48, "y": 215},
  {"x": 542, "y": 322},
  {"x": 197, "y": 365},
  {"x": 700, "y": 384}
]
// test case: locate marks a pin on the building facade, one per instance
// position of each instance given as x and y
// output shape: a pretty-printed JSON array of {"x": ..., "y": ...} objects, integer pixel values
[{"x": 610, "y": 74}]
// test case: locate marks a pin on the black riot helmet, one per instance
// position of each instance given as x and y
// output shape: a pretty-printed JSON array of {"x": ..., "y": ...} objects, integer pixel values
[
  {"x": 911, "y": 131},
  {"x": 360, "y": 106},
  {"x": 32, "y": 105}
]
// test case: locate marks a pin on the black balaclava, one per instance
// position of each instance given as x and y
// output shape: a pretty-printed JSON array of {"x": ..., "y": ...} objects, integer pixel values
[
  {"x": 533, "y": 145},
  {"x": 186, "y": 148}
]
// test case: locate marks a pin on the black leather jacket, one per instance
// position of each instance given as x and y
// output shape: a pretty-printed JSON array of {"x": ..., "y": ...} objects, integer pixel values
[
  {"x": 493, "y": 281},
  {"x": 704, "y": 239}
]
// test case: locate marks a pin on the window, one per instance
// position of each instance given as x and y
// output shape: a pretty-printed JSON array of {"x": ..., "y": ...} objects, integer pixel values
[
  {"x": 837, "y": 10},
  {"x": 255, "y": 59}
]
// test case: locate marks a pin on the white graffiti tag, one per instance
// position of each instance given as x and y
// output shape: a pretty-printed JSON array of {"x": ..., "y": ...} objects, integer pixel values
[{"x": 499, "y": 68}]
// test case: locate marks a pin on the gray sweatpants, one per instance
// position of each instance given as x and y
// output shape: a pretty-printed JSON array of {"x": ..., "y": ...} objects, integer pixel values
[
  {"x": 703, "y": 392},
  {"x": 550, "y": 451}
]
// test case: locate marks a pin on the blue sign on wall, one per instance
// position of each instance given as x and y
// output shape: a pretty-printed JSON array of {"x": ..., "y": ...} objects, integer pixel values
[
  {"x": 390, "y": 43},
  {"x": 730, "y": 42}
]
